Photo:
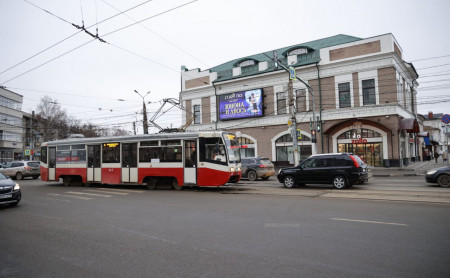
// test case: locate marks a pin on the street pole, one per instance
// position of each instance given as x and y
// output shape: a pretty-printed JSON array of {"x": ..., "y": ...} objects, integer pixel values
[
  {"x": 144, "y": 112},
  {"x": 311, "y": 92},
  {"x": 293, "y": 108}
]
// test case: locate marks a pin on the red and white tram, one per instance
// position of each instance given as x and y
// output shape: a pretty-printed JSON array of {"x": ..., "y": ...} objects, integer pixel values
[{"x": 208, "y": 158}]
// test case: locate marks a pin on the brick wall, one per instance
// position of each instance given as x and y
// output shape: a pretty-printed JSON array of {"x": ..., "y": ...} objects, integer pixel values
[
  {"x": 354, "y": 51},
  {"x": 387, "y": 85}
]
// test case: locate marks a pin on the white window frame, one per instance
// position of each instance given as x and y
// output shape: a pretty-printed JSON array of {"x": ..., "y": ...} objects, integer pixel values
[{"x": 366, "y": 75}]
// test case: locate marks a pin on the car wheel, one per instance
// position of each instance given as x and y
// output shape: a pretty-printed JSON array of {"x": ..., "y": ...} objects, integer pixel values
[
  {"x": 339, "y": 182},
  {"x": 252, "y": 176},
  {"x": 444, "y": 180},
  {"x": 19, "y": 176},
  {"x": 265, "y": 178},
  {"x": 35, "y": 177},
  {"x": 289, "y": 182}
]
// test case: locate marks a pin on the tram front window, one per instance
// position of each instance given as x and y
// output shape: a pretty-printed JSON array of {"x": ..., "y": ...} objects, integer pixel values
[{"x": 233, "y": 150}]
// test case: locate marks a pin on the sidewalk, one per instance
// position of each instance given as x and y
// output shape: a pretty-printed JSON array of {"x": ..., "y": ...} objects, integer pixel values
[{"x": 413, "y": 169}]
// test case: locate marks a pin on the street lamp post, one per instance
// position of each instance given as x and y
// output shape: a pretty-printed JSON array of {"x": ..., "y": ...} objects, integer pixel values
[{"x": 144, "y": 112}]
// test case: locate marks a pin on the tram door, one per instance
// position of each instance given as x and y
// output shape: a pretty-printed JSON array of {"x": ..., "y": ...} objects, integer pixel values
[
  {"x": 51, "y": 163},
  {"x": 129, "y": 162},
  {"x": 94, "y": 170},
  {"x": 190, "y": 162}
]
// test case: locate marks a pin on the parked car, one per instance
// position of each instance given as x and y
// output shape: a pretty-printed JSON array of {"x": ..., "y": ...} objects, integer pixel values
[
  {"x": 20, "y": 169},
  {"x": 10, "y": 192},
  {"x": 257, "y": 167},
  {"x": 342, "y": 170},
  {"x": 440, "y": 176}
]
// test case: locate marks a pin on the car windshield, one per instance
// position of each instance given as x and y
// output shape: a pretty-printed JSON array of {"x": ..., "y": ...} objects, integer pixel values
[
  {"x": 234, "y": 154},
  {"x": 2, "y": 177}
]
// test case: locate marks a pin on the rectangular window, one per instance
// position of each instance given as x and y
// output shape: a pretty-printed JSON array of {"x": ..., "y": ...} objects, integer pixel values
[
  {"x": 111, "y": 152},
  {"x": 164, "y": 154},
  {"x": 197, "y": 114},
  {"x": 149, "y": 143},
  {"x": 344, "y": 95},
  {"x": 368, "y": 89},
  {"x": 281, "y": 103},
  {"x": 301, "y": 100},
  {"x": 44, "y": 154}
]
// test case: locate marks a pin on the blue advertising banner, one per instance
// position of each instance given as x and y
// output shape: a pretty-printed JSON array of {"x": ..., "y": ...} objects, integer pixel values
[{"x": 241, "y": 105}]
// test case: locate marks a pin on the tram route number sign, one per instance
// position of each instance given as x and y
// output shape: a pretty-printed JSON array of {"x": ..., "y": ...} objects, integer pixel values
[{"x": 445, "y": 118}]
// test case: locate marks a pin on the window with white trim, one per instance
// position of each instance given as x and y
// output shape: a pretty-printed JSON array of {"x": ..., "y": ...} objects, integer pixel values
[
  {"x": 368, "y": 91},
  {"x": 281, "y": 103},
  {"x": 344, "y": 95},
  {"x": 197, "y": 115}
]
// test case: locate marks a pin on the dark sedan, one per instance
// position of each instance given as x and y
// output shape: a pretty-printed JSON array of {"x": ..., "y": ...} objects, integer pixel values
[
  {"x": 10, "y": 192},
  {"x": 440, "y": 176}
]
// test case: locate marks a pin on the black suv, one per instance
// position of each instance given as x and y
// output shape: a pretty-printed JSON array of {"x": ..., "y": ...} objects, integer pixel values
[{"x": 340, "y": 169}]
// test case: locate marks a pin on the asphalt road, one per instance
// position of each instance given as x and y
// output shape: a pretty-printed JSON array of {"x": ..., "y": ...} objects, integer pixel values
[{"x": 113, "y": 231}]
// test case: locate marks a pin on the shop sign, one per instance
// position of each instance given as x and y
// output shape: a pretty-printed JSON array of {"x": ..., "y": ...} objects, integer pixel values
[{"x": 359, "y": 141}]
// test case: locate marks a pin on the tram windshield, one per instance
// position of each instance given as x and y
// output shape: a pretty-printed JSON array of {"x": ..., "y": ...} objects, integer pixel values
[{"x": 234, "y": 154}]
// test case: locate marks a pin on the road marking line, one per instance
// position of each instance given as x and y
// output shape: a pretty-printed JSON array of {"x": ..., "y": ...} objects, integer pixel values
[
  {"x": 77, "y": 197},
  {"x": 368, "y": 221},
  {"x": 89, "y": 194},
  {"x": 123, "y": 190},
  {"x": 109, "y": 192},
  {"x": 55, "y": 199},
  {"x": 281, "y": 225}
]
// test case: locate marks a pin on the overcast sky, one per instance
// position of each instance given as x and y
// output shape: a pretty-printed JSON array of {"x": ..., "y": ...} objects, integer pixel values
[{"x": 95, "y": 81}]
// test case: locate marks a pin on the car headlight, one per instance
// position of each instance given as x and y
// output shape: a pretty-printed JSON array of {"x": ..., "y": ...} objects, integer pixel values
[
  {"x": 279, "y": 171},
  {"x": 17, "y": 186},
  {"x": 431, "y": 172}
]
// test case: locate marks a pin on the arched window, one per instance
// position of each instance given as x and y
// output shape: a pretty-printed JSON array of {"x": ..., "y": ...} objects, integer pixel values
[
  {"x": 247, "y": 147},
  {"x": 284, "y": 149},
  {"x": 298, "y": 51},
  {"x": 247, "y": 63}
]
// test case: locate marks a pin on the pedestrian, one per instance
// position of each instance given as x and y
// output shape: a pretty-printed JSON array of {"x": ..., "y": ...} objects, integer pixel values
[
  {"x": 436, "y": 155},
  {"x": 444, "y": 156}
]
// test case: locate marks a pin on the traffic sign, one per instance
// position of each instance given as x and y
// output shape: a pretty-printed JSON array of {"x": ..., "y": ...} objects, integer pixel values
[
  {"x": 291, "y": 73},
  {"x": 445, "y": 118},
  {"x": 299, "y": 134}
]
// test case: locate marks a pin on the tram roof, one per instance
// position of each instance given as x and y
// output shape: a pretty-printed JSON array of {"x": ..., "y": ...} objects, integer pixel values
[{"x": 132, "y": 138}]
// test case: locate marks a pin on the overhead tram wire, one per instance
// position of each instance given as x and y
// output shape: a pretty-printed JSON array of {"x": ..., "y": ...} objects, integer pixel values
[
  {"x": 158, "y": 35},
  {"x": 65, "y": 53},
  {"x": 42, "y": 51}
]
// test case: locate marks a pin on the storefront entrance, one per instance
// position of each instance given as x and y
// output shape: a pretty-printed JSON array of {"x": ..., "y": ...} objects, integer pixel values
[{"x": 371, "y": 153}]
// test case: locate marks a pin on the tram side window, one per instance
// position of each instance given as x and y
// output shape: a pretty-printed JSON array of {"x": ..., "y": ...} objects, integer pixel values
[
  {"x": 147, "y": 154},
  {"x": 111, "y": 153},
  {"x": 164, "y": 154},
  {"x": 44, "y": 154},
  {"x": 67, "y": 156}
]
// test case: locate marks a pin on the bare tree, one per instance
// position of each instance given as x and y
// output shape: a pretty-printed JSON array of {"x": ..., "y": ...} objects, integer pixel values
[{"x": 53, "y": 119}]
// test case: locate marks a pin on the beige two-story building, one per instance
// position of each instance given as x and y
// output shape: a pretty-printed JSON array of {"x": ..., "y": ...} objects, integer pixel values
[{"x": 359, "y": 96}]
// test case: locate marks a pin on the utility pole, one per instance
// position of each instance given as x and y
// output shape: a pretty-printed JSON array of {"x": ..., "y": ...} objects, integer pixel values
[
  {"x": 292, "y": 76},
  {"x": 144, "y": 112},
  {"x": 293, "y": 110}
]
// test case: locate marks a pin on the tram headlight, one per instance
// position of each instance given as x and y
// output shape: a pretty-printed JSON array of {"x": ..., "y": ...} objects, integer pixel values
[{"x": 232, "y": 169}]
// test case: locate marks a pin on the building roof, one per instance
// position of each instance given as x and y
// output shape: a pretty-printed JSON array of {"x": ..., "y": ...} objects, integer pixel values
[{"x": 225, "y": 70}]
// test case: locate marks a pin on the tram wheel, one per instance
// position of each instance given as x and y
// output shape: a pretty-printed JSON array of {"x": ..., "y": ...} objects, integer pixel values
[
  {"x": 175, "y": 184},
  {"x": 151, "y": 184}
]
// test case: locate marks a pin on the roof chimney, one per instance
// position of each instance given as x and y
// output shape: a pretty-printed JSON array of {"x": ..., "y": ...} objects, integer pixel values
[{"x": 430, "y": 115}]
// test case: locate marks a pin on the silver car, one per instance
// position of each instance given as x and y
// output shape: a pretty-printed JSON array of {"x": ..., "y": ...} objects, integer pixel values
[{"x": 20, "y": 169}]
